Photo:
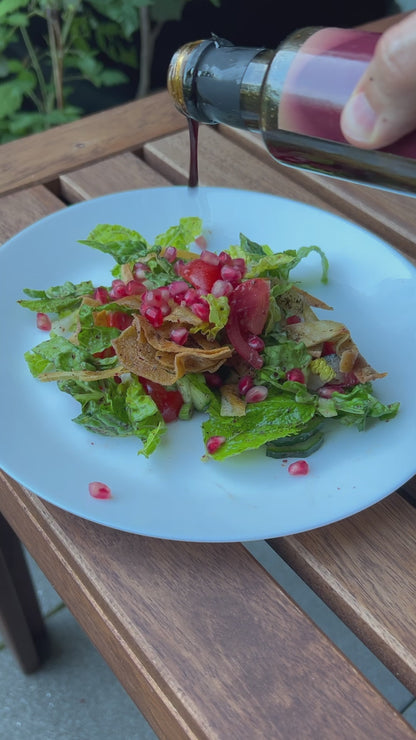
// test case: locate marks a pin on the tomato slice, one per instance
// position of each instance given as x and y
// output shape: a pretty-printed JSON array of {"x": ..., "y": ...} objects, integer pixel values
[
  {"x": 250, "y": 300},
  {"x": 249, "y": 306},
  {"x": 169, "y": 402},
  {"x": 201, "y": 274}
]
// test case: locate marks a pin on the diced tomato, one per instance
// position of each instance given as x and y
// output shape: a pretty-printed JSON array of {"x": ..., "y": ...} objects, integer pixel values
[
  {"x": 169, "y": 402},
  {"x": 249, "y": 305},
  {"x": 201, "y": 274},
  {"x": 250, "y": 300}
]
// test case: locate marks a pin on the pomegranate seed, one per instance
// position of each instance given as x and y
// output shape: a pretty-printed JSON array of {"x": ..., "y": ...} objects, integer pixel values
[
  {"x": 101, "y": 295},
  {"x": 154, "y": 316},
  {"x": 179, "y": 336},
  {"x": 201, "y": 241},
  {"x": 118, "y": 289},
  {"x": 210, "y": 257},
  {"x": 293, "y": 320},
  {"x": 43, "y": 322},
  {"x": 230, "y": 273},
  {"x": 256, "y": 393},
  {"x": 239, "y": 264},
  {"x": 119, "y": 320},
  {"x": 214, "y": 443},
  {"x": 170, "y": 254},
  {"x": 117, "y": 379},
  {"x": 190, "y": 296},
  {"x": 245, "y": 383},
  {"x": 201, "y": 309},
  {"x": 328, "y": 348},
  {"x": 224, "y": 258},
  {"x": 139, "y": 270},
  {"x": 134, "y": 287},
  {"x": 221, "y": 287},
  {"x": 296, "y": 375},
  {"x": 256, "y": 343},
  {"x": 177, "y": 288},
  {"x": 300, "y": 467},
  {"x": 213, "y": 380},
  {"x": 156, "y": 297},
  {"x": 99, "y": 490}
]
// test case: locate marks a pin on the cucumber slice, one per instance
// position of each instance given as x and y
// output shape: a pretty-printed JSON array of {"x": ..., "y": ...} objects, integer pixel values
[{"x": 296, "y": 448}]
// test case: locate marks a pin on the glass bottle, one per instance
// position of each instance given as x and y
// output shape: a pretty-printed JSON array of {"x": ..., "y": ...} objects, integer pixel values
[{"x": 294, "y": 97}]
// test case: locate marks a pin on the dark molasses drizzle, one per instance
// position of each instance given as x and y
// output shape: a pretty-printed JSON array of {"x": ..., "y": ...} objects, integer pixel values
[{"x": 193, "y": 127}]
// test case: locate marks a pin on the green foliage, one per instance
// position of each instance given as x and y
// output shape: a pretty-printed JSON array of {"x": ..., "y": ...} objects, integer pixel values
[{"x": 48, "y": 46}]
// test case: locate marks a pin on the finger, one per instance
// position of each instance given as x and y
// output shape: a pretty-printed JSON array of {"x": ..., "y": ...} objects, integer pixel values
[{"x": 382, "y": 107}]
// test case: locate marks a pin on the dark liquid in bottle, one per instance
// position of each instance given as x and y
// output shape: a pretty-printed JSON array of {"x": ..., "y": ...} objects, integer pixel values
[{"x": 193, "y": 127}]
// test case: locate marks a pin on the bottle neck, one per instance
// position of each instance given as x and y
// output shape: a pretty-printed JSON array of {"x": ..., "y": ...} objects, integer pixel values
[{"x": 216, "y": 82}]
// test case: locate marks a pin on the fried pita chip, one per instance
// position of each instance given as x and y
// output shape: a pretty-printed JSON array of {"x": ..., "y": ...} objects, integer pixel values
[{"x": 146, "y": 351}]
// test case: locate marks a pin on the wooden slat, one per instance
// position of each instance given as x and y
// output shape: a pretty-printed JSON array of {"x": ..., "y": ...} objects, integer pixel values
[
  {"x": 222, "y": 164},
  {"x": 22, "y": 209},
  {"x": 388, "y": 215},
  {"x": 363, "y": 568},
  {"x": 41, "y": 157},
  {"x": 126, "y": 171},
  {"x": 201, "y": 637}
]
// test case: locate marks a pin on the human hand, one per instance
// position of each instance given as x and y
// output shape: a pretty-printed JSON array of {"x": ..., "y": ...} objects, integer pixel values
[{"x": 382, "y": 108}]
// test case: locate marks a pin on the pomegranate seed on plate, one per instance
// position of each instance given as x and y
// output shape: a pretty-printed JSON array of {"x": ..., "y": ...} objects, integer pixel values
[
  {"x": 214, "y": 443},
  {"x": 210, "y": 257},
  {"x": 296, "y": 375},
  {"x": 134, "y": 287},
  {"x": 245, "y": 383},
  {"x": 177, "y": 287},
  {"x": 293, "y": 320},
  {"x": 300, "y": 467},
  {"x": 154, "y": 316},
  {"x": 179, "y": 336},
  {"x": 99, "y": 490},
  {"x": 118, "y": 289},
  {"x": 230, "y": 273},
  {"x": 201, "y": 241},
  {"x": 139, "y": 270},
  {"x": 101, "y": 295},
  {"x": 170, "y": 254},
  {"x": 256, "y": 393},
  {"x": 221, "y": 287},
  {"x": 256, "y": 343},
  {"x": 224, "y": 258},
  {"x": 201, "y": 309},
  {"x": 43, "y": 322}
]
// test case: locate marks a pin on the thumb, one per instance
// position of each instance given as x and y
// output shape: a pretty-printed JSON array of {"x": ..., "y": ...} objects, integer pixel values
[{"x": 382, "y": 108}]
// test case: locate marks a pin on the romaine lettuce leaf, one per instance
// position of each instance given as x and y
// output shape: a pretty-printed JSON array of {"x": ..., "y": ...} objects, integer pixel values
[
  {"x": 125, "y": 245},
  {"x": 58, "y": 353},
  {"x": 60, "y": 299},
  {"x": 279, "y": 358},
  {"x": 278, "y": 416},
  {"x": 358, "y": 405},
  {"x": 182, "y": 235}
]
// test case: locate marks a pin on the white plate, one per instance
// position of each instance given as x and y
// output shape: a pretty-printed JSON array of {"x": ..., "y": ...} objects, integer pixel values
[{"x": 174, "y": 494}]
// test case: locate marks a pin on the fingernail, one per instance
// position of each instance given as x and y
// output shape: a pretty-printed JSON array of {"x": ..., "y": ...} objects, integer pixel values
[{"x": 359, "y": 119}]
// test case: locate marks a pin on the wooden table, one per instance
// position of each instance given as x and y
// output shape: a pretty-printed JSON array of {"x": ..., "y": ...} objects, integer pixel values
[{"x": 206, "y": 643}]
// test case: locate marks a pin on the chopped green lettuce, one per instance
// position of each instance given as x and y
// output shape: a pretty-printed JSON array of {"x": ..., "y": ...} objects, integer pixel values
[
  {"x": 278, "y": 416},
  {"x": 125, "y": 245},
  {"x": 60, "y": 299},
  {"x": 182, "y": 235}
]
